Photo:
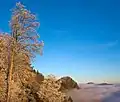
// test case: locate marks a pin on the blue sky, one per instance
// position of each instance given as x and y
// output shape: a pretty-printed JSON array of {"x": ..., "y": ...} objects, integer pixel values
[{"x": 82, "y": 37}]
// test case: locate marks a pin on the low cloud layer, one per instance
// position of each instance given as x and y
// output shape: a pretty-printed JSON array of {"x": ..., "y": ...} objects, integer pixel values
[{"x": 96, "y": 93}]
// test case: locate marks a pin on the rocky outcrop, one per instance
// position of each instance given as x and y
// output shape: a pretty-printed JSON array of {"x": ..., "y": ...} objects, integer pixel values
[
  {"x": 90, "y": 83},
  {"x": 67, "y": 83}
]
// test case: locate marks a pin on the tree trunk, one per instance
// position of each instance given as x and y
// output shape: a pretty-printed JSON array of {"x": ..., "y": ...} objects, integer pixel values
[{"x": 10, "y": 76}]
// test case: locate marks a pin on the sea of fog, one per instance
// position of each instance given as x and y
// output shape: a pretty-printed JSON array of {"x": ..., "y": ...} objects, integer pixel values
[{"x": 96, "y": 93}]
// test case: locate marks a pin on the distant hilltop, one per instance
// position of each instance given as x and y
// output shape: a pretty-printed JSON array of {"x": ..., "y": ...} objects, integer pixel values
[{"x": 104, "y": 84}]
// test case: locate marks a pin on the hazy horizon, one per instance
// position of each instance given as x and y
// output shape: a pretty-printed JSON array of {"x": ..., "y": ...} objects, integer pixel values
[{"x": 82, "y": 37}]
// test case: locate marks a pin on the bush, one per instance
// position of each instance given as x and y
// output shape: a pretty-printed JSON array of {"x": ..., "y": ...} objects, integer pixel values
[{"x": 49, "y": 90}]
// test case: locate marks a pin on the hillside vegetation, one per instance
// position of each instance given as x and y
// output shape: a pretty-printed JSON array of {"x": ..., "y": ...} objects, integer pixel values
[{"x": 19, "y": 82}]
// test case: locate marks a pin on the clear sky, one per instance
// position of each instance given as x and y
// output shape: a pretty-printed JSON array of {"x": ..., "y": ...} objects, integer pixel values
[{"x": 82, "y": 37}]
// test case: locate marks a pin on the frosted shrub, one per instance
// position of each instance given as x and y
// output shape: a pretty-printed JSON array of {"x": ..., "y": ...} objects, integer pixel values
[{"x": 49, "y": 90}]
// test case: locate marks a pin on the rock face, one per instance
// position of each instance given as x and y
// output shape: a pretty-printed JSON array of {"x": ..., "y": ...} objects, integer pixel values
[{"x": 67, "y": 83}]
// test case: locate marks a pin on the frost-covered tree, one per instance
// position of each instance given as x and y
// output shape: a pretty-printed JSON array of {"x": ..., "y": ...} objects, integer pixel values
[
  {"x": 24, "y": 26},
  {"x": 24, "y": 38}
]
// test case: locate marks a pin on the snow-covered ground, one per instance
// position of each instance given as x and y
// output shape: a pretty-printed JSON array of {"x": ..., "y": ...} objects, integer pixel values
[{"x": 96, "y": 93}]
